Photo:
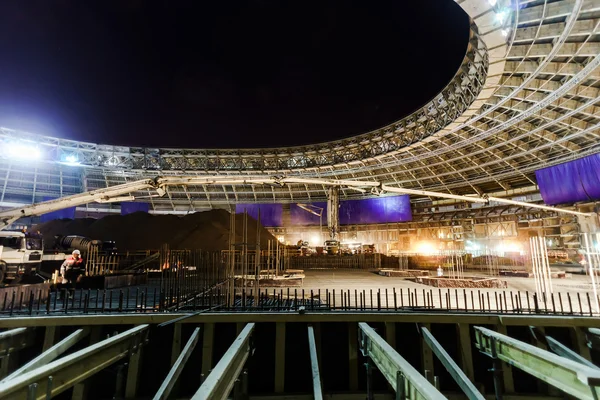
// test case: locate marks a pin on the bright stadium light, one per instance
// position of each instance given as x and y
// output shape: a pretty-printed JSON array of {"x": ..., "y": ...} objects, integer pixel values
[
  {"x": 501, "y": 16},
  {"x": 71, "y": 159},
  {"x": 22, "y": 151}
]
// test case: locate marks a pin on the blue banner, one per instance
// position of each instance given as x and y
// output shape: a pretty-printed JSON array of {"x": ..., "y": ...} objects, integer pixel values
[
  {"x": 270, "y": 214},
  {"x": 378, "y": 210},
  {"x": 130, "y": 207},
  {"x": 65, "y": 213},
  {"x": 578, "y": 180}
]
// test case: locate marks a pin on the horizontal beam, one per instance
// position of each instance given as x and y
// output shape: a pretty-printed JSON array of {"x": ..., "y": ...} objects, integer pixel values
[
  {"x": 393, "y": 366},
  {"x": 453, "y": 369},
  {"x": 74, "y": 368},
  {"x": 539, "y": 206},
  {"x": 569, "y": 376},
  {"x": 472, "y": 199},
  {"x": 15, "y": 339},
  {"x": 167, "y": 385},
  {"x": 472, "y": 318},
  {"x": 51, "y": 354},
  {"x": 314, "y": 364},
  {"x": 220, "y": 381}
]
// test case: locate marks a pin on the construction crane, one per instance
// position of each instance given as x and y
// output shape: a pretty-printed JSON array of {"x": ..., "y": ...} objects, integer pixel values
[{"x": 318, "y": 211}]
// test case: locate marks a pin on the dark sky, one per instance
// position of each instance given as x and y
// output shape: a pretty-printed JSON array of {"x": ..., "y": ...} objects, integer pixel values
[{"x": 222, "y": 73}]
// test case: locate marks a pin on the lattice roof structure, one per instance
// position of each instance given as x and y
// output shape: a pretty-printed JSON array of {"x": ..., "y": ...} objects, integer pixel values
[{"x": 524, "y": 98}]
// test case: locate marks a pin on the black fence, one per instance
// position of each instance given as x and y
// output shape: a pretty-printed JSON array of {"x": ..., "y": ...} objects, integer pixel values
[{"x": 166, "y": 296}]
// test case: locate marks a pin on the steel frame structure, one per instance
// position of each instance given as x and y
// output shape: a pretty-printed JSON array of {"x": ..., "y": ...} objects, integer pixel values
[
  {"x": 525, "y": 97},
  {"x": 377, "y": 347}
]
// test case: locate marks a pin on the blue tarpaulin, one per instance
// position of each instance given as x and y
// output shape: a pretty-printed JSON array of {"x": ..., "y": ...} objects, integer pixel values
[
  {"x": 578, "y": 180},
  {"x": 68, "y": 213},
  {"x": 378, "y": 210},
  {"x": 270, "y": 214},
  {"x": 129, "y": 207},
  {"x": 301, "y": 217}
]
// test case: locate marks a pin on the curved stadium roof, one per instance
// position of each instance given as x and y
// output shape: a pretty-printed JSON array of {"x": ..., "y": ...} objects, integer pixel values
[{"x": 524, "y": 98}]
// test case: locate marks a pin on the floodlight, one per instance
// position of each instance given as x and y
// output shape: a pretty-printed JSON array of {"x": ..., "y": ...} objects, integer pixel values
[
  {"x": 501, "y": 16},
  {"x": 23, "y": 151}
]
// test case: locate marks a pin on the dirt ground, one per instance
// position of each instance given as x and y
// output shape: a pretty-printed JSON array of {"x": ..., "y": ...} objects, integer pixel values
[{"x": 515, "y": 296}]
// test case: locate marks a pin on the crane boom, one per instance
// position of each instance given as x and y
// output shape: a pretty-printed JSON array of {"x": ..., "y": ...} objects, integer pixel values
[
  {"x": 7, "y": 217},
  {"x": 124, "y": 192}
]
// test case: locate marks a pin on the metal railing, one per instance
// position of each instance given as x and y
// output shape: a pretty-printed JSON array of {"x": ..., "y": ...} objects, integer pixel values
[{"x": 159, "y": 297}]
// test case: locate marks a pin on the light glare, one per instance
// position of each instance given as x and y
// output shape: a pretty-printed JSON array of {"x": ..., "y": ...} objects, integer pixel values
[
  {"x": 21, "y": 151},
  {"x": 72, "y": 159},
  {"x": 501, "y": 16}
]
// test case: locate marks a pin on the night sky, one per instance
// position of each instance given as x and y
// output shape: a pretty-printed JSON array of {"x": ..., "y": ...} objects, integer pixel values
[{"x": 222, "y": 73}]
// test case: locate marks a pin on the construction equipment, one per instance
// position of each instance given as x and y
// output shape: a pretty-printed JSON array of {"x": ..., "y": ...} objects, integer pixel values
[
  {"x": 20, "y": 255},
  {"x": 332, "y": 247}
]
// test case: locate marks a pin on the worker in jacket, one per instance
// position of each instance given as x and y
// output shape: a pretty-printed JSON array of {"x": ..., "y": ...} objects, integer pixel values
[{"x": 71, "y": 269}]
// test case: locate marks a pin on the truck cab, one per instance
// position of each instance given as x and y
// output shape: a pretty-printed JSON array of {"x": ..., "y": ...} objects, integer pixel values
[
  {"x": 332, "y": 247},
  {"x": 20, "y": 255}
]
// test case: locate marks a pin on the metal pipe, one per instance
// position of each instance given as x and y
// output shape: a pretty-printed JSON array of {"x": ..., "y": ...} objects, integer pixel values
[{"x": 541, "y": 207}]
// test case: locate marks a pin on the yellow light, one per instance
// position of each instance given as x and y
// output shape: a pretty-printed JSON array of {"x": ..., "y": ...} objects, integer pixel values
[{"x": 426, "y": 248}]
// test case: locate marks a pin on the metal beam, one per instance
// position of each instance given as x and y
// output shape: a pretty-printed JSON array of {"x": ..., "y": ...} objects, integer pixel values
[
  {"x": 453, "y": 369},
  {"x": 593, "y": 338},
  {"x": 15, "y": 339},
  {"x": 74, "y": 368},
  {"x": 556, "y": 347},
  {"x": 402, "y": 376},
  {"x": 173, "y": 375},
  {"x": 564, "y": 351},
  {"x": 309, "y": 317},
  {"x": 51, "y": 354},
  {"x": 220, "y": 381},
  {"x": 569, "y": 376},
  {"x": 314, "y": 365}
]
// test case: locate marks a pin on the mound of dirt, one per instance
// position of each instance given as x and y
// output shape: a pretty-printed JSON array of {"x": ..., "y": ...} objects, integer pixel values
[{"x": 207, "y": 230}]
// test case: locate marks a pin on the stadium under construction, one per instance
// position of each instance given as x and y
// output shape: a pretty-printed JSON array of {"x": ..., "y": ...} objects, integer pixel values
[{"x": 452, "y": 254}]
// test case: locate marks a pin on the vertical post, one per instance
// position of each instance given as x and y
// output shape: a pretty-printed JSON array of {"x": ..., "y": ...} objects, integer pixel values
[
  {"x": 580, "y": 343},
  {"x": 257, "y": 258},
  {"x": 176, "y": 345},
  {"x": 369, "y": 367},
  {"x": 207, "y": 348},
  {"x": 50, "y": 337},
  {"x": 466, "y": 355},
  {"x": 353, "y": 355},
  {"x": 279, "y": 356},
  {"x": 390, "y": 333},
  {"x": 133, "y": 373},
  {"x": 80, "y": 390},
  {"x": 507, "y": 375},
  {"x": 427, "y": 356}
]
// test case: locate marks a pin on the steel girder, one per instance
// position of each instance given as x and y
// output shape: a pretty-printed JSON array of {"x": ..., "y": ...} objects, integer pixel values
[{"x": 489, "y": 133}]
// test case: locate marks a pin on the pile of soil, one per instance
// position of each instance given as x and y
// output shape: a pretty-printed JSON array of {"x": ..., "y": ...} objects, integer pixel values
[{"x": 207, "y": 230}]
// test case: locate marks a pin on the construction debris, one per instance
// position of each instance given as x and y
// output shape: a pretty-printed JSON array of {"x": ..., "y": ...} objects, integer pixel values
[
  {"x": 406, "y": 273},
  {"x": 489, "y": 283}
]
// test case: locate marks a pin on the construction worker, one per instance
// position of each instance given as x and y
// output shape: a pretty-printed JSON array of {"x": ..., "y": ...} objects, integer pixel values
[{"x": 71, "y": 269}]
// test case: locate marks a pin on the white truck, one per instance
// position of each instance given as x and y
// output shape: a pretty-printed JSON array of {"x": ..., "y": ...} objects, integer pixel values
[{"x": 20, "y": 255}]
